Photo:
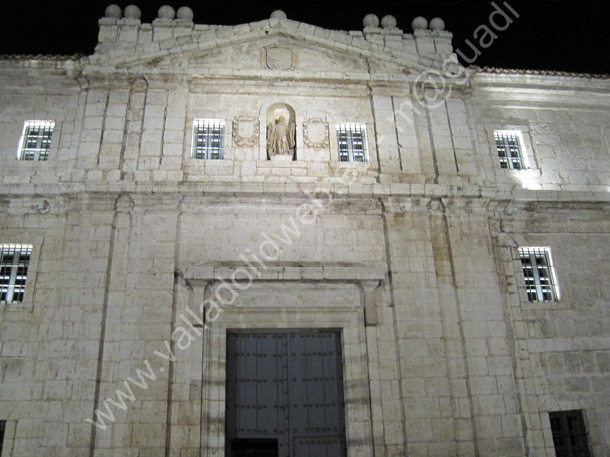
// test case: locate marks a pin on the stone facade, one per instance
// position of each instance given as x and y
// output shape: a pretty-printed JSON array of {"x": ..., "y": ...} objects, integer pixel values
[{"x": 143, "y": 257}]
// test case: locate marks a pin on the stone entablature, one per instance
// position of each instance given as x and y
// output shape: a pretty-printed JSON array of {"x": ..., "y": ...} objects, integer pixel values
[{"x": 92, "y": 134}]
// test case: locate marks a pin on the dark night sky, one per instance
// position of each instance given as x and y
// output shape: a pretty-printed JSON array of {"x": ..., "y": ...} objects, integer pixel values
[{"x": 564, "y": 35}]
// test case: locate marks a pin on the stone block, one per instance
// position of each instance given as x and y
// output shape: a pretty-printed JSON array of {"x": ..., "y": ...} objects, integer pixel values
[
  {"x": 142, "y": 175},
  {"x": 425, "y": 45},
  {"x": 340, "y": 37},
  {"x": 145, "y": 36},
  {"x": 207, "y": 36},
  {"x": 577, "y": 384},
  {"x": 307, "y": 29}
]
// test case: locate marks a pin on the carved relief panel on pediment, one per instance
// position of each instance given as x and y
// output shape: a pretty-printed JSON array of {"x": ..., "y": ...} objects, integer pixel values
[{"x": 279, "y": 58}]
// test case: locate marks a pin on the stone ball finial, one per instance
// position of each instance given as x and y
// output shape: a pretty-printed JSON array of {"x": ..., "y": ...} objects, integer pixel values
[
  {"x": 419, "y": 23},
  {"x": 388, "y": 22},
  {"x": 166, "y": 12},
  {"x": 278, "y": 14},
  {"x": 132, "y": 12},
  {"x": 370, "y": 20},
  {"x": 437, "y": 24},
  {"x": 113, "y": 11},
  {"x": 185, "y": 13}
]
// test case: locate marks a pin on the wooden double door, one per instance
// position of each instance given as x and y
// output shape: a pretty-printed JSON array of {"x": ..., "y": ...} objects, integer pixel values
[{"x": 284, "y": 394}]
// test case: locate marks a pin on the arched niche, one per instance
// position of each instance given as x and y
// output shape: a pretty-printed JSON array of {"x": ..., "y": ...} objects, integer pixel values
[{"x": 281, "y": 132}]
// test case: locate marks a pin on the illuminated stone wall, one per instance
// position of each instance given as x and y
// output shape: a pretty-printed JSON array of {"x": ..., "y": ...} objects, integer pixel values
[{"x": 143, "y": 256}]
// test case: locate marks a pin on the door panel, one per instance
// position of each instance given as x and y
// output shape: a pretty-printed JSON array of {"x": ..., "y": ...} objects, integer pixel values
[{"x": 286, "y": 387}]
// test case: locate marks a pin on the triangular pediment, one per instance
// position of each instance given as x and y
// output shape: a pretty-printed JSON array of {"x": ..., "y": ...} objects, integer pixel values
[{"x": 284, "y": 46}]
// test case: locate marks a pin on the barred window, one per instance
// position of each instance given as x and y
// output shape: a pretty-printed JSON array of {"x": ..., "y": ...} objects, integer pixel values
[
  {"x": 14, "y": 263},
  {"x": 569, "y": 434},
  {"x": 510, "y": 149},
  {"x": 351, "y": 142},
  {"x": 208, "y": 138},
  {"x": 36, "y": 140},
  {"x": 540, "y": 280}
]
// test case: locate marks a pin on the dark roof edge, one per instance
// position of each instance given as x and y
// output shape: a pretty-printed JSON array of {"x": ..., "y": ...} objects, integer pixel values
[
  {"x": 536, "y": 72},
  {"x": 45, "y": 57}
]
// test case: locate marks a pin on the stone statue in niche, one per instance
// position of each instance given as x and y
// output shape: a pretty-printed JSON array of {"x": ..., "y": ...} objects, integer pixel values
[
  {"x": 281, "y": 132},
  {"x": 281, "y": 137}
]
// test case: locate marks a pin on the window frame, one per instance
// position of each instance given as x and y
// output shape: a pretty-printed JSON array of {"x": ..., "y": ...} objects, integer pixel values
[
  {"x": 522, "y": 149},
  {"x": 207, "y": 149},
  {"x": 12, "y": 287},
  {"x": 36, "y": 241},
  {"x": 40, "y": 154},
  {"x": 349, "y": 150},
  {"x": 537, "y": 286},
  {"x": 569, "y": 433}
]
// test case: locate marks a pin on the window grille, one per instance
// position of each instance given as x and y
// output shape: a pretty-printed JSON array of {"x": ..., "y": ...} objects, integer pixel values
[
  {"x": 539, "y": 273},
  {"x": 36, "y": 140},
  {"x": 569, "y": 434},
  {"x": 510, "y": 150},
  {"x": 208, "y": 139},
  {"x": 14, "y": 263},
  {"x": 351, "y": 142}
]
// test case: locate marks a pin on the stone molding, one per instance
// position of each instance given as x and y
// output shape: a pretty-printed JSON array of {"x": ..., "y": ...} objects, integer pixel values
[
  {"x": 105, "y": 193},
  {"x": 288, "y": 271},
  {"x": 368, "y": 277}
]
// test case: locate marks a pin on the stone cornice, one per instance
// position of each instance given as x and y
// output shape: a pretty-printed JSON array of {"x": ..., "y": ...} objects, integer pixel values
[
  {"x": 523, "y": 89},
  {"x": 292, "y": 271},
  {"x": 295, "y": 192}
]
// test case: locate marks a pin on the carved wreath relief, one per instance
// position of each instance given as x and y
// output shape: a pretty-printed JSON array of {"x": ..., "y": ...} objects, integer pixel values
[
  {"x": 246, "y": 131},
  {"x": 315, "y": 134}
]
